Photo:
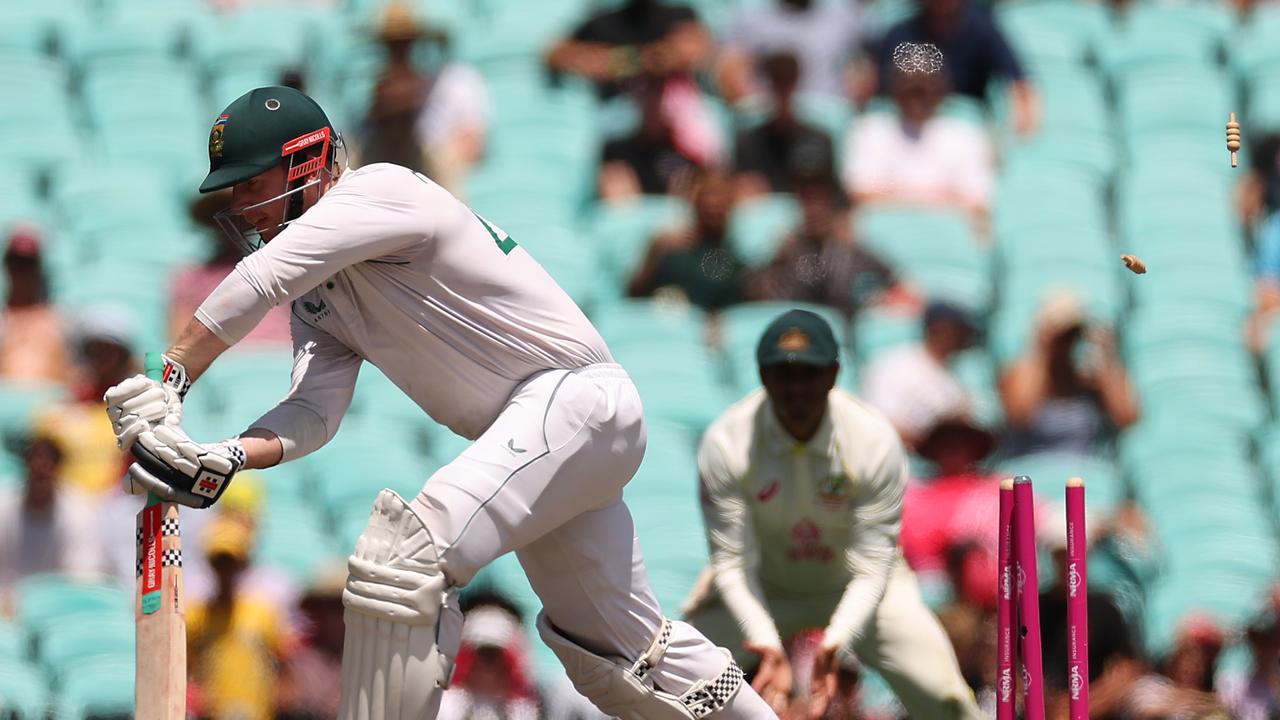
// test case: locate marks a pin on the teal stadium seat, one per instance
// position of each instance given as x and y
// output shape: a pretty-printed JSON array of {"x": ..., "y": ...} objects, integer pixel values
[
  {"x": 1054, "y": 33},
  {"x": 94, "y": 688},
  {"x": 622, "y": 231},
  {"x": 13, "y": 643},
  {"x": 63, "y": 647},
  {"x": 24, "y": 691},
  {"x": 1191, "y": 98},
  {"x": 758, "y": 227},
  {"x": 937, "y": 252},
  {"x": 1105, "y": 487},
  {"x": 48, "y": 599},
  {"x": 1179, "y": 38}
]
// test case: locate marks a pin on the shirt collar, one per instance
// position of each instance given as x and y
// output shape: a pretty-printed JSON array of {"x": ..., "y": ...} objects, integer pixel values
[{"x": 779, "y": 440}]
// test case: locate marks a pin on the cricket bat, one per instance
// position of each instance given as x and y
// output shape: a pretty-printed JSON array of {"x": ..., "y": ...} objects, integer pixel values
[{"x": 160, "y": 683}]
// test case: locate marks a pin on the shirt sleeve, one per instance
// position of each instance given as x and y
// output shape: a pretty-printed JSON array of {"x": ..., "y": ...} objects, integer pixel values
[
  {"x": 731, "y": 538},
  {"x": 863, "y": 170},
  {"x": 873, "y": 545},
  {"x": 378, "y": 213},
  {"x": 324, "y": 380}
]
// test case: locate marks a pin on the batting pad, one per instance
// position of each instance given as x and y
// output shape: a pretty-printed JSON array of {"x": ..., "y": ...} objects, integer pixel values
[{"x": 403, "y": 625}]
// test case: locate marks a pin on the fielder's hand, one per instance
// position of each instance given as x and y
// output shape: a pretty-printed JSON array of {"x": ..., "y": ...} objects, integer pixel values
[
  {"x": 178, "y": 469},
  {"x": 822, "y": 688},
  {"x": 773, "y": 677},
  {"x": 139, "y": 403}
]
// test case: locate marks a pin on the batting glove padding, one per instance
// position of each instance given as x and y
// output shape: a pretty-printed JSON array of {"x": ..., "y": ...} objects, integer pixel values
[
  {"x": 139, "y": 403},
  {"x": 178, "y": 469}
]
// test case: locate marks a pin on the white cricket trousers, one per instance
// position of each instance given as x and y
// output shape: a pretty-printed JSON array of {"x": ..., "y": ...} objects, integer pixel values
[{"x": 545, "y": 480}]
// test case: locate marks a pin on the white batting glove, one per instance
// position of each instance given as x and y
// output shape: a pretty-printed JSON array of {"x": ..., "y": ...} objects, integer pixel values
[
  {"x": 139, "y": 403},
  {"x": 178, "y": 469}
]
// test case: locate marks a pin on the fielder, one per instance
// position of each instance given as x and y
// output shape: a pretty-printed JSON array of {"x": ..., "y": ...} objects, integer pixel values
[
  {"x": 380, "y": 264},
  {"x": 802, "y": 488}
]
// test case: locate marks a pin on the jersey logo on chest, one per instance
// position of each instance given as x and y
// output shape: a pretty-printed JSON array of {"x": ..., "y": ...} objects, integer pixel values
[
  {"x": 833, "y": 491},
  {"x": 768, "y": 492}
]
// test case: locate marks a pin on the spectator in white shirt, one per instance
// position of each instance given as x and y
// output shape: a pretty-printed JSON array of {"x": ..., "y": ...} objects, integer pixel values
[
  {"x": 912, "y": 385},
  {"x": 917, "y": 157},
  {"x": 823, "y": 35},
  {"x": 45, "y": 527}
]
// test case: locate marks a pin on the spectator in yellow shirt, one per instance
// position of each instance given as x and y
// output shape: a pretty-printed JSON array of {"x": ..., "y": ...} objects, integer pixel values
[{"x": 234, "y": 642}]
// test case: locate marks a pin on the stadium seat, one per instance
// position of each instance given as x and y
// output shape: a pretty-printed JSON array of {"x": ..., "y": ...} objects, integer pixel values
[
  {"x": 1190, "y": 98},
  {"x": 757, "y": 227},
  {"x": 63, "y": 647},
  {"x": 24, "y": 691},
  {"x": 94, "y": 688},
  {"x": 622, "y": 230},
  {"x": 1053, "y": 32},
  {"x": 13, "y": 643},
  {"x": 1104, "y": 486},
  {"x": 43, "y": 600},
  {"x": 1151, "y": 38},
  {"x": 937, "y": 252}
]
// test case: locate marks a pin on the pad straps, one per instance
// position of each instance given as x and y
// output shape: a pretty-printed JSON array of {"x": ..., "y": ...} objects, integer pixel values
[{"x": 705, "y": 697}]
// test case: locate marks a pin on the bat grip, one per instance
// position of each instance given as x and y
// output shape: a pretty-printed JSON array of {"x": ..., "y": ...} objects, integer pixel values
[{"x": 153, "y": 366}]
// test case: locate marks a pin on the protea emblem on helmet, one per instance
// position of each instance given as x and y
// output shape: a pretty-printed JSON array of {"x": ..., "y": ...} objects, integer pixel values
[{"x": 215, "y": 138}]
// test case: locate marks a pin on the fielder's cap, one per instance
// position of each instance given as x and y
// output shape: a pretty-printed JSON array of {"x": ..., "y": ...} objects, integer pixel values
[
  {"x": 798, "y": 336},
  {"x": 251, "y": 135}
]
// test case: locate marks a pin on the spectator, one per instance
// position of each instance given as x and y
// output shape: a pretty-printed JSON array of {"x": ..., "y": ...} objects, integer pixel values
[
  {"x": 311, "y": 679},
  {"x": 958, "y": 505},
  {"x": 93, "y": 463},
  {"x": 696, "y": 262},
  {"x": 46, "y": 527},
  {"x": 801, "y": 490},
  {"x": 492, "y": 677},
  {"x": 191, "y": 285},
  {"x": 1183, "y": 689},
  {"x": 642, "y": 38},
  {"x": 822, "y": 35},
  {"x": 650, "y": 161},
  {"x": 1069, "y": 392},
  {"x": 917, "y": 157},
  {"x": 969, "y": 617},
  {"x": 769, "y": 155},
  {"x": 1259, "y": 205},
  {"x": 235, "y": 643},
  {"x": 33, "y": 342},
  {"x": 1256, "y": 696},
  {"x": 820, "y": 262},
  {"x": 976, "y": 53},
  {"x": 1111, "y": 639},
  {"x": 433, "y": 122},
  {"x": 912, "y": 384}
]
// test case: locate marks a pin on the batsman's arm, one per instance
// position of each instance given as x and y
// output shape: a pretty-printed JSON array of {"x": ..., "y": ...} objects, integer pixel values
[
  {"x": 873, "y": 545},
  {"x": 324, "y": 380}
]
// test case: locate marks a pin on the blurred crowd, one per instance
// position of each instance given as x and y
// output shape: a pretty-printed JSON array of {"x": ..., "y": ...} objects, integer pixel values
[{"x": 265, "y": 643}]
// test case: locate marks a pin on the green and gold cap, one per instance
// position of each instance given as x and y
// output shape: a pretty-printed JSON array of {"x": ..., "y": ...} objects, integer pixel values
[
  {"x": 798, "y": 336},
  {"x": 260, "y": 129}
]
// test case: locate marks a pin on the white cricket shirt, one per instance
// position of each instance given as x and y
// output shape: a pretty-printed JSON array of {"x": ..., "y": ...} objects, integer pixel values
[
  {"x": 802, "y": 518},
  {"x": 390, "y": 268}
]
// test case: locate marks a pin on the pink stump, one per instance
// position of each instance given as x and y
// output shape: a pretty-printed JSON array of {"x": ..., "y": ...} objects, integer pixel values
[
  {"x": 1024, "y": 553},
  {"x": 1006, "y": 659},
  {"x": 1077, "y": 603}
]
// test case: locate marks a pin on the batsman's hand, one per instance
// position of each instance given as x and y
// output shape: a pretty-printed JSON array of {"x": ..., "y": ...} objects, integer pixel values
[
  {"x": 178, "y": 469},
  {"x": 773, "y": 677},
  {"x": 140, "y": 403}
]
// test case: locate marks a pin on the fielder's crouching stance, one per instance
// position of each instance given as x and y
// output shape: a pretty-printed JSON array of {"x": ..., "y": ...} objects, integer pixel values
[{"x": 381, "y": 264}]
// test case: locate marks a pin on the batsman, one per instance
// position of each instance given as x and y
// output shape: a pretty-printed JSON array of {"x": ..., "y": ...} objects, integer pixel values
[{"x": 381, "y": 265}]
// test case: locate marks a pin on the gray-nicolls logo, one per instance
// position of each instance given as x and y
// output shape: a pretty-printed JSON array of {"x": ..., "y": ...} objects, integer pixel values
[
  {"x": 1076, "y": 681},
  {"x": 1073, "y": 579}
]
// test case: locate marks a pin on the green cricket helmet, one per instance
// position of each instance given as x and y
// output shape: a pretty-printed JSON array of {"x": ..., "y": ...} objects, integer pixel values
[{"x": 261, "y": 129}]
